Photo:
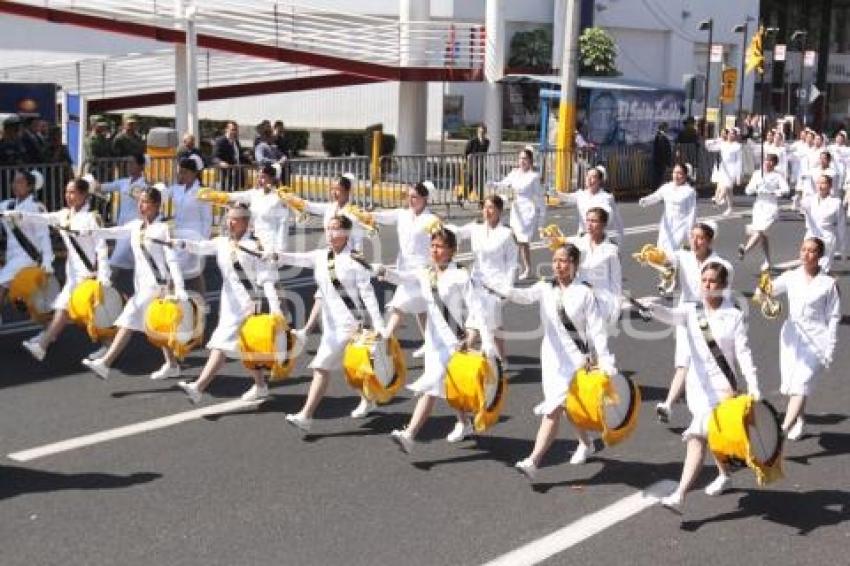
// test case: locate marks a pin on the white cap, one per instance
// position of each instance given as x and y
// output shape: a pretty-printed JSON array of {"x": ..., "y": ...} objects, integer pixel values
[
  {"x": 602, "y": 171},
  {"x": 430, "y": 186},
  {"x": 39, "y": 180}
]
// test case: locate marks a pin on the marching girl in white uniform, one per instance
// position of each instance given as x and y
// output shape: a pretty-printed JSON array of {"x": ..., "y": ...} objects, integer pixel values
[
  {"x": 528, "y": 206},
  {"x": 796, "y": 152},
  {"x": 680, "y": 209},
  {"x": 767, "y": 187},
  {"x": 600, "y": 265},
  {"x": 446, "y": 290},
  {"x": 824, "y": 215},
  {"x": 238, "y": 300},
  {"x": 125, "y": 191},
  {"x": 77, "y": 217},
  {"x": 706, "y": 384},
  {"x": 269, "y": 216},
  {"x": 193, "y": 219},
  {"x": 414, "y": 226},
  {"x": 155, "y": 265},
  {"x": 688, "y": 265},
  {"x": 593, "y": 195},
  {"x": 809, "y": 334},
  {"x": 336, "y": 271},
  {"x": 729, "y": 170},
  {"x": 778, "y": 148},
  {"x": 560, "y": 354},
  {"x": 494, "y": 262}
]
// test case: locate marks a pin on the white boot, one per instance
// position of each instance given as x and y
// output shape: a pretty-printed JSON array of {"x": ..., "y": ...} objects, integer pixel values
[
  {"x": 256, "y": 393},
  {"x": 192, "y": 391},
  {"x": 167, "y": 370},
  {"x": 363, "y": 409},
  {"x": 461, "y": 430},
  {"x": 581, "y": 453},
  {"x": 719, "y": 485},
  {"x": 796, "y": 430}
]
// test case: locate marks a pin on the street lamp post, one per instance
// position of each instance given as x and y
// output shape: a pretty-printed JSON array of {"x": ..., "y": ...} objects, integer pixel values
[
  {"x": 707, "y": 25},
  {"x": 742, "y": 28},
  {"x": 802, "y": 35}
]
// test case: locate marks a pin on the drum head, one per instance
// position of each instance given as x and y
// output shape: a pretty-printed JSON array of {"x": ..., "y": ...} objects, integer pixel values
[
  {"x": 281, "y": 342},
  {"x": 492, "y": 384},
  {"x": 382, "y": 363},
  {"x": 43, "y": 298},
  {"x": 617, "y": 414},
  {"x": 764, "y": 433},
  {"x": 108, "y": 311}
]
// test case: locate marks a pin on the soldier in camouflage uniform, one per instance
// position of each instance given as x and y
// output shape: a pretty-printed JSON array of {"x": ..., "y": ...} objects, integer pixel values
[{"x": 128, "y": 142}]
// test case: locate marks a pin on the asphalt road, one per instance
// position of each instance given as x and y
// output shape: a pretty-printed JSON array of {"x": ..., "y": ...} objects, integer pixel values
[{"x": 242, "y": 487}]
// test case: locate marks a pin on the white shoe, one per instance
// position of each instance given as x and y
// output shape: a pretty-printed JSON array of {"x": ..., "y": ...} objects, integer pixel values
[
  {"x": 34, "y": 348},
  {"x": 256, "y": 393},
  {"x": 673, "y": 501},
  {"x": 300, "y": 336},
  {"x": 527, "y": 468},
  {"x": 167, "y": 370},
  {"x": 192, "y": 391},
  {"x": 663, "y": 412},
  {"x": 581, "y": 453},
  {"x": 420, "y": 352},
  {"x": 727, "y": 212},
  {"x": 526, "y": 274},
  {"x": 300, "y": 421},
  {"x": 98, "y": 366},
  {"x": 719, "y": 485},
  {"x": 363, "y": 409},
  {"x": 461, "y": 430},
  {"x": 796, "y": 430},
  {"x": 404, "y": 441},
  {"x": 99, "y": 353}
]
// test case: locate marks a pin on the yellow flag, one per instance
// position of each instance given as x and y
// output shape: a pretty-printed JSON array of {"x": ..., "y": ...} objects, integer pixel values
[{"x": 755, "y": 53}]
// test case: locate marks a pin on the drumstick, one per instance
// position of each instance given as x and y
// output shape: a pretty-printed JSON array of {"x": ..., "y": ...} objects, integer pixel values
[
  {"x": 166, "y": 243},
  {"x": 643, "y": 312}
]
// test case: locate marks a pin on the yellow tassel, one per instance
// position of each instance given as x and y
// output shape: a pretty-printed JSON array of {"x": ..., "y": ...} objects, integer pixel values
[{"x": 590, "y": 392}]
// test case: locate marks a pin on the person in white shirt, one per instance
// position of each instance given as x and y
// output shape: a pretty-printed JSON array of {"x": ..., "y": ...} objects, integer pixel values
[
  {"x": 528, "y": 206},
  {"x": 706, "y": 384},
  {"x": 494, "y": 261},
  {"x": 729, "y": 169},
  {"x": 823, "y": 213},
  {"x": 156, "y": 269},
  {"x": 768, "y": 187},
  {"x": 241, "y": 271},
  {"x": 600, "y": 265},
  {"x": 594, "y": 195},
  {"x": 27, "y": 240},
  {"x": 680, "y": 207},
  {"x": 94, "y": 261},
  {"x": 124, "y": 191},
  {"x": 809, "y": 334},
  {"x": 270, "y": 218}
]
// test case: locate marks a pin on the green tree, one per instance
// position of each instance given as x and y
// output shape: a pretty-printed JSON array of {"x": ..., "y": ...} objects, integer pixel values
[
  {"x": 531, "y": 49},
  {"x": 598, "y": 53}
]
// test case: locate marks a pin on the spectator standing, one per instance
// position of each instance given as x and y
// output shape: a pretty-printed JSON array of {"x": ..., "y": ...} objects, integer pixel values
[
  {"x": 662, "y": 155},
  {"x": 475, "y": 170},
  {"x": 128, "y": 142},
  {"x": 31, "y": 143},
  {"x": 188, "y": 147},
  {"x": 11, "y": 152},
  {"x": 227, "y": 155}
]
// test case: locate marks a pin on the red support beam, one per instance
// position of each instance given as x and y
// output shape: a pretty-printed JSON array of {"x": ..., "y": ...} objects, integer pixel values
[
  {"x": 228, "y": 91},
  {"x": 369, "y": 70}
]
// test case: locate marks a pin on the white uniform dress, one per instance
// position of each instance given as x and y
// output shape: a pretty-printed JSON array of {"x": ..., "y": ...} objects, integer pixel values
[
  {"x": 584, "y": 200},
  {"x": 796, "y": 153},
  {"x": 728, "y": 171},
  {"x": 95, "y": 249},
  {"x": 122, "y": 255},
  {"x": 148, "y": 284},
  {"x": 600, "y": 267},
  {"x": 494, "y": 263},
  {"x": 705, "y": 383},
  {"x": 560, "y": 357},
  {"x": 328, "y": 210},
  {"x": 269, "y": 217},
  {"x": 808, "y": 337},
  {"x": 823, "y": 219},
  {"x": 36, "y": 232},
  {"x": 338, "y": 322},
  {"x": 680, "y": 213},
  {"x": 767, "y": 189},
  {"x": 528, "y": 206},
  {"x": 236, "y": 303},
  {"x": 457, "y": 293},
  {"x": 414, "y": 251},
  {"x": 192, "y": 221}
]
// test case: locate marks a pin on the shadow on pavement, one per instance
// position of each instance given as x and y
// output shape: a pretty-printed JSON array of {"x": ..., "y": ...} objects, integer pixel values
[
  {"x": 832, "y": 443},
  {"x": 805, "y": 511},
  {"x": 639, "y": 475},
  {"x": 16, "y": 481}
]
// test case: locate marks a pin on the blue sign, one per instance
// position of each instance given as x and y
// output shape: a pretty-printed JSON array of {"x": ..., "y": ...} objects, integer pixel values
[
  {"x": 33, "y": 99},
  {"x": 630, "y": 117}
]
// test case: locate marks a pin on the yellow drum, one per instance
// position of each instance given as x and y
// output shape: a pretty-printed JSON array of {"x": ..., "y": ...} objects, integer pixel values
[
  {"x": 176, "y": 325},
  {"x": 473, "y": 385},
  {"x": 266, "y": 342},
  {"x": 95, "y": 307},
  {"x": 34, "y": 290},
  {"x": 746, "y": 430},
  {"x": 374, "y": 367},
  {"x": 608, "y": 404}
]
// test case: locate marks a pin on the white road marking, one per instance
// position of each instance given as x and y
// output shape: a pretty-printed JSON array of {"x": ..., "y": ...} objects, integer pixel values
[
  {"x": 570, "y": 535},
  {"x": 130, "y": 430}
]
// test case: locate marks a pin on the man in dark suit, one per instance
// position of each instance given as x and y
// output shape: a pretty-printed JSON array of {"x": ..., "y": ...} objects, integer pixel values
[
  {"x": 475, "y": 167},
  {"x": 662, "y": 155},
  {"x": 227, "y": 157}
]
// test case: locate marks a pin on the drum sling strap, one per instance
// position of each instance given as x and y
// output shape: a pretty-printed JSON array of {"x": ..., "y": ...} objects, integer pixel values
[
  {"x": 244, "y": 279},
  {"x": 91, "y": 266},
  {"x": 23, "y": 241},
  {"x": 714, "y": 348},
  {"x": 568, "y": 324},
  {"x": 350, "y": 303},
  {"x": 160, "y": 279},
  {"x": 457, "y": 329}
]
